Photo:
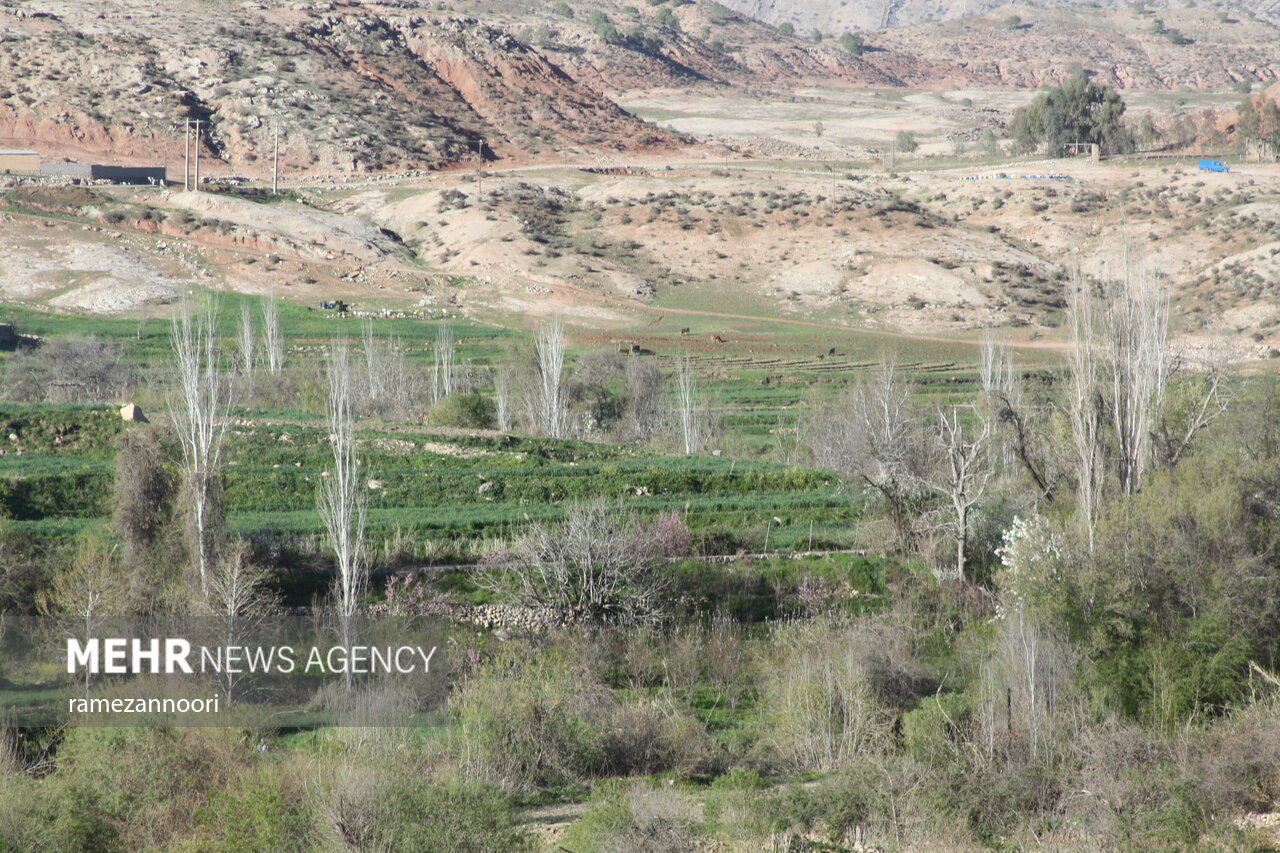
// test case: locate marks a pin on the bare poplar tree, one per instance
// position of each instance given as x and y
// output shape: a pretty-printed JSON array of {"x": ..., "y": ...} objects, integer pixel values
[
  {"x": 687, "y": 406},
  {"x": 246, "y": 343},
  {"x": 442, "y": 367},
  {"x": 1084, "y": 408},
  {"x": 341, "y": 499},
  {"x": 551, "y": 402},
  {"x": 272, "y": 343},
  {"x": 502, "y": 398},
  {"x": 1136, "y": 326},
  {"x": 1023, "y": 685},
  {"x": 1000, "y": 390},
  {"x": 962, "y": 473},
  {"x": 374, "y": 367},
  {"x": 199, "y": 408}
]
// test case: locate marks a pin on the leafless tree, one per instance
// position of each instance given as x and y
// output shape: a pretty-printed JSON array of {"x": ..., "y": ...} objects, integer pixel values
[
  {"x": 1084, "y": 407},
  {"x": 1194, "y": 400},
  {"x": 239, "y": 602},
  {"x": 502, "y": 398},
  {"x": 874, "y": 435},
  {"x": 388, "y": 381},
  {"x": 645, "y": 403},
  {"x": 199, "y": 408},
  {"x": 1136, "y": 327},
  {"x": 1023, "y": 685},
  {"x": 87, "y": 596},
  {"x": 374, "y": 365},
  {"x": 962, "y": 473},
  {"x": 1021, "y": 422},
  {"x": 69, "y": 370},
  {"x": 272, "y": 343},
  {"x": 1001, "y": 391},
  {"x": 246, "y": 341},
  {"x": 595, "y": 566},
  {"x": 341, "y": 498},
  {"x": 442, "y": 364},
  {"x": 687, "y": 406},
  {"x": 549, "y": 344}
]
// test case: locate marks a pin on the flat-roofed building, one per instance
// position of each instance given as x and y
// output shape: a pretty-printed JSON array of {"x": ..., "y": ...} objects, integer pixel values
[
  {"x": 19, "y": 160},
  {"x": 119, "y": 174}
]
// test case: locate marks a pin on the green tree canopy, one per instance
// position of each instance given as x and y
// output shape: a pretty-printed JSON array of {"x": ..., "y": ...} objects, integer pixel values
[{"x": 1077, "y": 111}]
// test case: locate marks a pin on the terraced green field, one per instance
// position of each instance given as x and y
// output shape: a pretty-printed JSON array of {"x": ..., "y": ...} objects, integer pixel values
[{"x": 451, "y": 489}]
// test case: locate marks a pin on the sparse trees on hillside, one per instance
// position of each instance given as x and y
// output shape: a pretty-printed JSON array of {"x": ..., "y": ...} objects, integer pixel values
[
  {"x": 853, "y": 43},
  {"x": 199, "y": 406}
]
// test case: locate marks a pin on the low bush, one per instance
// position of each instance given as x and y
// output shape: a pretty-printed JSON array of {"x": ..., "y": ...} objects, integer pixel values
[
  {"x": 635, "y": 817},
  {"x": 532, "y": 723},
  {"x": 463, "y": 411}
]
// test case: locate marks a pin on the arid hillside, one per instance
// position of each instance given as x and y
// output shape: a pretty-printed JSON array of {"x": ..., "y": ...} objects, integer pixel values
[
  {"x": 839, "y": 15},
  {"x": 1128, "y": 48},
  {"x": 358, "y": 86},
  {"x": 351, "y": 86},
  {"x": 920, "y": 253}
]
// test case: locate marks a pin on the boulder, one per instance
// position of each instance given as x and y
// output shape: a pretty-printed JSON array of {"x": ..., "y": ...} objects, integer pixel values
[{"x": 130, "y": 412}]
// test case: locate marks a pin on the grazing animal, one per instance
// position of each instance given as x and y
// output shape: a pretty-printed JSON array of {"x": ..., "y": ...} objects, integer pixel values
[
  {"x": 831, "y": 351},
  {"x": 684, "y": 331},
  {"x": 717, "y": 339}
]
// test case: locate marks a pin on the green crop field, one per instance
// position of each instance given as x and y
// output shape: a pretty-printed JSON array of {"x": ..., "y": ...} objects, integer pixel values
[{"x": 442, "y": 487}]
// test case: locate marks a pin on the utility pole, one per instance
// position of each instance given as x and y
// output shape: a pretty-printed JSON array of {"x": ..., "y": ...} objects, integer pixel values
[{"x": 186, "y": 155}]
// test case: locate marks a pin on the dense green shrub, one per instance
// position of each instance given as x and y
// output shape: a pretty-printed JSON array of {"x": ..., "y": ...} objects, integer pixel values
[
  {"x": 461, "y": 817},
  {"x": 463, "y": 411},
  {"x": 532, "y": 723},
  {"x": 635, "y": 818},
  {"x": 266, "y": 809}
]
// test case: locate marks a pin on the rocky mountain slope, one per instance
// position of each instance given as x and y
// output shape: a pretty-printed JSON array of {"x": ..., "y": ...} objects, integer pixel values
[
  {"x": 1143, "y": 48},
  {"x": 839, "y": 15},
  {"x": 351, "y": 86},
  {"x": 366, "y": 85}
]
